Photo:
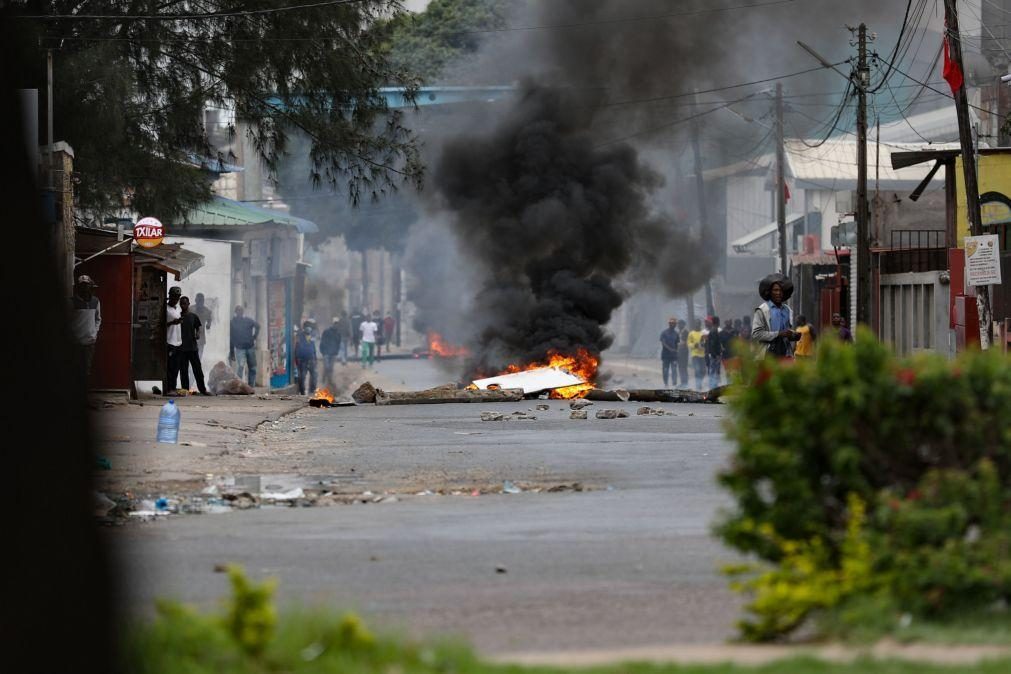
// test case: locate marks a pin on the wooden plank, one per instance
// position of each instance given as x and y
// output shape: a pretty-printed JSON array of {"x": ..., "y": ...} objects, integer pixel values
[{"x": 443, "y": 395}]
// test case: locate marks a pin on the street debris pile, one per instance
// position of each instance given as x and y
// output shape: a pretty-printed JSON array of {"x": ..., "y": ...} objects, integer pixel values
[
  {"x": 225, "y": 494},
  {"x": 540, "y": 383}
]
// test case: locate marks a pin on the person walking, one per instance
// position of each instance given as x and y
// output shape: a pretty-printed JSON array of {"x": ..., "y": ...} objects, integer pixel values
[
  {"x": 330, "y": 346},
  {"x": 697, "y": 353},
  {"x": 173, "y": 340},
  {"x": 85, "y": 322},
  {"x": 772, "y": 323},
  {"x": 242, "y": 332},
  {"x": 683, "y": 353},
  {"x": 377, "y": 319},
  {"x": 714, "y": 350},
  {"x": 368, "y": 330},
  {"x": 670, "y": 340},
  {"x": 356, "y": 332},
  {"x": 189, "y": 353},
  {"x": 389, "y": 330},
  {"x": 305, "y": 358},
  {"x": 805, "y": 345}
]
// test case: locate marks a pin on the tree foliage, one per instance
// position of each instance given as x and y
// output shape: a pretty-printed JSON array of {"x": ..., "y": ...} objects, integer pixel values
[
  {"x": 428, "y": 42},
  {"x": 133, "y": 80}
]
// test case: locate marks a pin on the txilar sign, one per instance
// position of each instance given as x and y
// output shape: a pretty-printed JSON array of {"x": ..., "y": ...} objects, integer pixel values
[{"x": 148, "y": 232}]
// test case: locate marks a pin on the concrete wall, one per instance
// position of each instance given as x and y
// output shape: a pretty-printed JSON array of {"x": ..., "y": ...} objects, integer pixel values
[{"x": 214, "y": 280}]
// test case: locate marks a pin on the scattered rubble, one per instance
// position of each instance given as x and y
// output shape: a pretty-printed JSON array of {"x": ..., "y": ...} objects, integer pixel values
[
  {"x": 543, "y": 408},
  {"x": 579, "y": 404},
  {"x": 611, "y": 414},
  {"x": 650, "y": 412},
  {"x": 578, "y": 414},
  {"x": 492, "y": 416}
]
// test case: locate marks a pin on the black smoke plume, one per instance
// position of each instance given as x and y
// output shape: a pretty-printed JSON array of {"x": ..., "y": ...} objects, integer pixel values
[{"x": 554, "y": 217}]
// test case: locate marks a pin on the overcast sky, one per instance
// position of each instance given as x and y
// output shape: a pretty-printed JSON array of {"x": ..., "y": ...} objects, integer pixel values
[{"x": 415, "y": 5}]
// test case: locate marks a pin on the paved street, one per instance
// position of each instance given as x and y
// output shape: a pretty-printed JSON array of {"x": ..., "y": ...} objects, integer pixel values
[{"x": 627, "y": 562}]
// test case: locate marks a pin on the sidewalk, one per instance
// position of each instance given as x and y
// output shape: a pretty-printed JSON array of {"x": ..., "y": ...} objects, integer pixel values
[{"x": 211, "y": 427}]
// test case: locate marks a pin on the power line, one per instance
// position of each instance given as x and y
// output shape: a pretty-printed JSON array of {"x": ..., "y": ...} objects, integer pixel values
[
  {"x": 898, "y": 42},
  {"x": 937, "y": 91},
  {"x": 190, "y": 17}
]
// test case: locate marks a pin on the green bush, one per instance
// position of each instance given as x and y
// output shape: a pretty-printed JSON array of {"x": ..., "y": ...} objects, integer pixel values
[{"x": 924, "y": 442}]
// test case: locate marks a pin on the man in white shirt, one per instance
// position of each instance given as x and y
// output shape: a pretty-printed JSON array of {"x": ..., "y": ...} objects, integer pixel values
[
  {"x": 173, "y": 339},
  {"x": 85, "y": 321},
  {"x": 368, "y": 330}
]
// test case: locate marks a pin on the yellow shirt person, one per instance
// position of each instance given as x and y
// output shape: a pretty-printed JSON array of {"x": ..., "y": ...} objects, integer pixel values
[
  {"x": 695, "y": 347},
  {"x": 805, "y": 347}
]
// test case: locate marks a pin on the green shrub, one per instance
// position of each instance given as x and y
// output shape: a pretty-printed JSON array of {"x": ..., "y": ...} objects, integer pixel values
[{"x": 924, "y": 442}]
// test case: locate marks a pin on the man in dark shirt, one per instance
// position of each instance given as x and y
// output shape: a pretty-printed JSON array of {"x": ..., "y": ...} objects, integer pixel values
[
  {"x": 683, "y": 353},
  {"x": 242, "y": 345},
  {"x": 356, "y": 331},
  {"x": 670, "y": 339},
  {"x": 188, "y": 351},
  {"x": 330, "y": 347},
  {"x": 714, "y": 350}
]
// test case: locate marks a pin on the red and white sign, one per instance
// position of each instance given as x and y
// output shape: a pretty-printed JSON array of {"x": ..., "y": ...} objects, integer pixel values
[{"x": 148, "y": 232}]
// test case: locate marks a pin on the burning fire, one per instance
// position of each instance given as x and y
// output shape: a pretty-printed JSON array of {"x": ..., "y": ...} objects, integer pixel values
[
  {"x": 582, "y": 364},
  {"x": 437, "y": 346},
  {"x": 323, "y": 394}
]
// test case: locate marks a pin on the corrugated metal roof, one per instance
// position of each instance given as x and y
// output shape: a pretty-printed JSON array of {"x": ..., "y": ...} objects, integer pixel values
[
  {"x": 833, "y": 165},
  {"x": 221, "y": 212}
]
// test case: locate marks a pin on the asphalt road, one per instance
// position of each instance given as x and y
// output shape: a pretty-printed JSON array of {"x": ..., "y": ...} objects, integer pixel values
[{"x": 629, "y": 562}]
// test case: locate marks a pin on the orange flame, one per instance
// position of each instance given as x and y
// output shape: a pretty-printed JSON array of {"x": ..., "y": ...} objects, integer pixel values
[
  {"x": 582, "y": 364},
  {"x": 437, "y": 346},
  {"x": 323, "y": 394}
]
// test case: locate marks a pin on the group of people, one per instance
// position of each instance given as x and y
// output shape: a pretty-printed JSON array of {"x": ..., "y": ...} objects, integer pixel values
[
  {"x": 706, "y": 349},
  {"x": 184, "y": 326},
  {"x": 365, "y": 333},
  {"x": 710, "y": 349}
]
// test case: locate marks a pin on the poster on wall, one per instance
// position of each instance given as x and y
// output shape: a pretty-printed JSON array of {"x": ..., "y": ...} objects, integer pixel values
[
  {"x": 982, "y": 260},
  {"x": 277, "y": 333}
]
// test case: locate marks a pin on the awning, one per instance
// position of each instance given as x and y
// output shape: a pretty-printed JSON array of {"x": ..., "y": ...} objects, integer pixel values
[
  {"x": 225, "y": 213},
  {"x": 171, "y": 258},
  {"x": 741, "y": 245}
]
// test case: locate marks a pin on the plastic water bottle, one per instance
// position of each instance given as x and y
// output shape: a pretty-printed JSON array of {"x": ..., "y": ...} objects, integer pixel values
[{"x": 168, "y": 423}]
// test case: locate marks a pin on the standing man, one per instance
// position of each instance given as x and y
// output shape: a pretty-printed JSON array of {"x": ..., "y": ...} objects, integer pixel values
[
  {"x": 683, "y": 353},
  {"x": 173, "y": 339},
  {"x": 347, "y": 330},
  {"x": 389, "y": 329},
  {"x": 205, "y": 315},
  {"x": 772, "y": 324},
  {"x": 85, "y": 322},
  {"x": 356, "y": 331},
  {"x": 368, "y": 330},
  {"x": 714, "y": 350},
  {"x": 189, "y": 353},
  {"x": 305, "y": 358},
  {"x": 242, "y": 334},
  {"x": 330, "y": 347},
  {"x": 697, "y": 353},
  {"x": 670, "y": 340},
  {"x": 377, "y": 319}
]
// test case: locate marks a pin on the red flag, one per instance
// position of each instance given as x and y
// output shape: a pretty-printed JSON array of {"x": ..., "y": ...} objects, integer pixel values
[
  {"x": 952, "y": 73},
  {"x": 786, "y": 192}
]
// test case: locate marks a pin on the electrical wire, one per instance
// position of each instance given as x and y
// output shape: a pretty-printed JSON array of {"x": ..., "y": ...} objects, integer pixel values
[{"x": 898, "y": 42}]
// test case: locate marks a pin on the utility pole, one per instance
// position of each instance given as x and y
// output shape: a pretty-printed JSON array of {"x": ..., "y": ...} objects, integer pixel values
[
  {"x": 968, "y": 164},
  {"x": 49, "y": 97},
  {"x": 700, "y": 184},
  {"x": 780, "y": 181},
  {"x": 863, "y": 248}
]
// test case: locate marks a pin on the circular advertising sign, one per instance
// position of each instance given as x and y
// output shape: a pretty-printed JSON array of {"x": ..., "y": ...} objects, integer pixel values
[{"x": 148, "y": 232}]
